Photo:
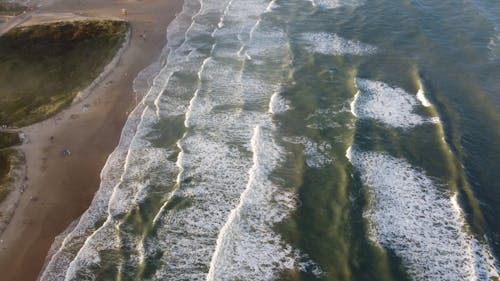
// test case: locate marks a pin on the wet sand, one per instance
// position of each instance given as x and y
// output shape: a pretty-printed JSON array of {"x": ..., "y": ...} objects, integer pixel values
[{"x": 59, "y": 188}]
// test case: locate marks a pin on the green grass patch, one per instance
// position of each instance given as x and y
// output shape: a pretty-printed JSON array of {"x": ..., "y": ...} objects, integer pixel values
[
  {"x": 43, "y": 67},
  {"x": 4, "y": 171},
  {"x": 8, "y": 139},
  {"x": 9, "y": 159}
]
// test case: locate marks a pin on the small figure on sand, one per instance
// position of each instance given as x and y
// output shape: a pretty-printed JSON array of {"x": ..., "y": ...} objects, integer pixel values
[
  {"x": 66, "y": 152},
  {"x": 143, "y": 35},
  {"x": 124, "y": 12},
  {"x": 23, "y": 137}
]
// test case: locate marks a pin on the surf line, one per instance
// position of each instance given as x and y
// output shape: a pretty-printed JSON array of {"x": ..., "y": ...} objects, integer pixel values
[
  {"x": 254, "y": 173},
  {"x": 74, "y": 265},
  {"x": 188, "y": 114},
  {"x": 184, "y": 42},
  {"x": 252, "y": 31},
  {"x": 235, "y": 213}
]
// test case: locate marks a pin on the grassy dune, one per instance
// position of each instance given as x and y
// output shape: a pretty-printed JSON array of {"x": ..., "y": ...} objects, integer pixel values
[
  {"x": 8, "y": 139},
  {"x": 43, "y": 67},
  {"x": 8, "y": 158}
]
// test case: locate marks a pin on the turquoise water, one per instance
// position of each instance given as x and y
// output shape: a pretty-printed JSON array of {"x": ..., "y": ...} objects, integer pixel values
[{"x": 305, "y": 140}]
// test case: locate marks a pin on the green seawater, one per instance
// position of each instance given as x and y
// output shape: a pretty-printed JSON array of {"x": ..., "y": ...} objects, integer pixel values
[{"x": 446, "y": 48}]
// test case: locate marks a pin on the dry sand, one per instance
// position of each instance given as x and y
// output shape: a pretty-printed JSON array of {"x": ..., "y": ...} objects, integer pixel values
[{"x": 59, "y": 189}]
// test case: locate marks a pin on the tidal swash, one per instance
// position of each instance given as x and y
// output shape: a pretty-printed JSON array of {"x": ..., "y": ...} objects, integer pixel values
[{"x": 305, "y": 140}]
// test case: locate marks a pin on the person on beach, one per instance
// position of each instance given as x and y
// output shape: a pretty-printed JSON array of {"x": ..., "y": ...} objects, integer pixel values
[
  {"x": 66, "y": 152},
  {"x": 143, "y": 35}
]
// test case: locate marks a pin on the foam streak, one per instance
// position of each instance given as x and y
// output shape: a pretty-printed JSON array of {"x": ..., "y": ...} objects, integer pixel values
[{"x": 410, "y": 216}]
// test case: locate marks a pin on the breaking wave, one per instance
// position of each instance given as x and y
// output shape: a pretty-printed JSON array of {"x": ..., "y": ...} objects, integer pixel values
[{"x": 410, "y": 214}]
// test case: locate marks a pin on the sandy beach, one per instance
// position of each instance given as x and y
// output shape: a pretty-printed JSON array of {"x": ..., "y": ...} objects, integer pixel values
[{"x": 59, "y": 188}]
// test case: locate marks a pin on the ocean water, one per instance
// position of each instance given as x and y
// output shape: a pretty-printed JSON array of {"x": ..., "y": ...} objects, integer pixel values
[{"x": 305, "y": 140}]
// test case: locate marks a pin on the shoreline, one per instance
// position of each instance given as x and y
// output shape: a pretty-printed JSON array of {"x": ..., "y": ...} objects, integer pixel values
[{"x": 59, "y": 189}]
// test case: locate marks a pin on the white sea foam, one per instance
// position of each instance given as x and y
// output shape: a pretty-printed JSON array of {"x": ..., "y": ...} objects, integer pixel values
[
  {"x": 391, "y": 106},
  {"x": 272, "y": 6},
  {"x": 214, "y": 168},
  {"x": 410, "y": 214},
  {"x": 272, "y": 43},
  {"x": 353, "y": 104},
  {"x": 213, "y": 188},
  {"x": 278, "y": 104},
  {"x": 247, "y": 240},
  {"x": 485, "y": 265},
  {"x": 215, "y": 153},
  {"x": 329, "y": 118},
  {"x": 332, "y": 44},
  {"x": 246, "y": 244},
  {"x": 317, "y": 154},
  {"x": 333, "y": 4},
  {"x": 494, "y": 44},
  {"x": 422, "y": 98},
  {"x": 306, "y": 264}
]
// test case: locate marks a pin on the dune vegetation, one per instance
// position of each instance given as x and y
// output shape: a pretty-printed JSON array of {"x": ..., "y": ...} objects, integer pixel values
[
  {"x": 8, "y": 159},
  {"x": 43, "y": 67}
]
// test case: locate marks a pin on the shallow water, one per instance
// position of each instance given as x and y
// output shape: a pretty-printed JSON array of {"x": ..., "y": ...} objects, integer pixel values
[{"x": 306, "y": 140}]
